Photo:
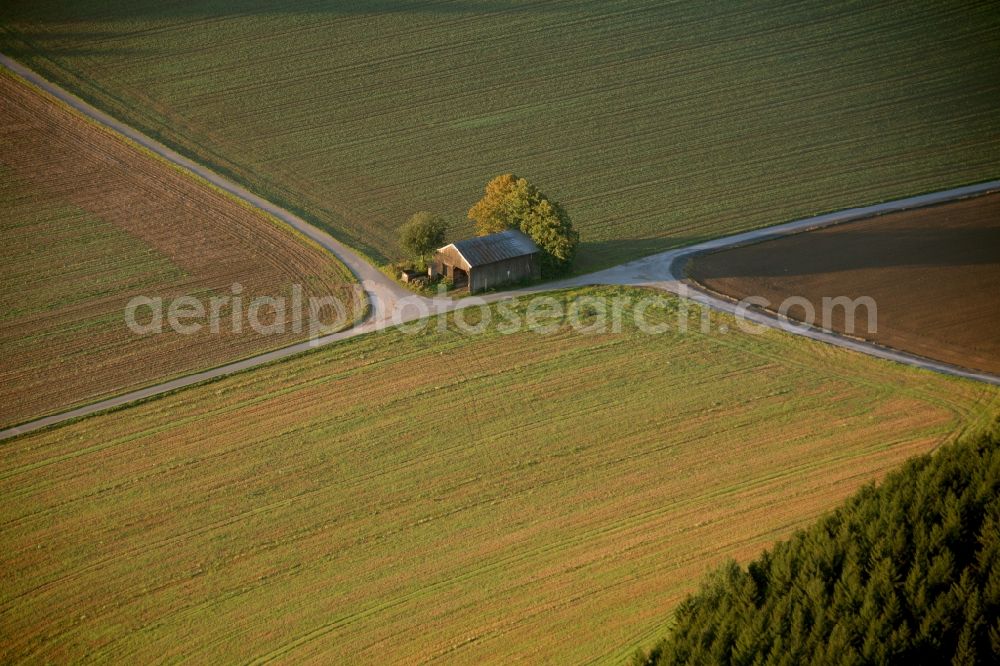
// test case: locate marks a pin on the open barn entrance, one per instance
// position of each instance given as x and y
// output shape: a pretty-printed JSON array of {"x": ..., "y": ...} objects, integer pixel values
[{"x": 497, "y": 259}]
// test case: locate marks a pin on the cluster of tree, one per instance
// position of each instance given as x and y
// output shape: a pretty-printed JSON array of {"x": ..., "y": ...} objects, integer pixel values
[
  {"x": 514, "y": 203},
  {"x": 509, "y": 203},
  {"x": 907, "y": 572}
]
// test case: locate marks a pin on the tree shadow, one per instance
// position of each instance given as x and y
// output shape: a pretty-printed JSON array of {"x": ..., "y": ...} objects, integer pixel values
[{"x": 597, "y": 255}]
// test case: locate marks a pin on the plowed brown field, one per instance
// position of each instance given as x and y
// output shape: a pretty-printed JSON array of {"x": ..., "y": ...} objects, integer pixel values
[
  {"x": 934, "y": 274},
  {"x": 90, "y": 221}
]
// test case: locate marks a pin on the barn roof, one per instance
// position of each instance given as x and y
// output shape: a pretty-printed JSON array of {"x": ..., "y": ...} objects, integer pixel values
[{"x": 495, "y": 247}]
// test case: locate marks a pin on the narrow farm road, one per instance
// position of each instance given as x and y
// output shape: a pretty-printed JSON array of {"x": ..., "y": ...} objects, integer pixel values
[
  {"x": 381, "y": 290},
  {"x": 392, "y": 305},
  {"x": 664, "y": 271}
]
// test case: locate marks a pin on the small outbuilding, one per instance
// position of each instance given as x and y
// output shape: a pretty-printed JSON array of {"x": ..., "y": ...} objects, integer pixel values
[{"x": 488, "y": 261}]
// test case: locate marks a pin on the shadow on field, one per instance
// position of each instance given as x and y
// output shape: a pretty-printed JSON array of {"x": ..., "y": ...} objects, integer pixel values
[
  {"x": 854, "y": 247},
  {"x": 157, "y": 9},
  {"x": 137, "y": 15},
  {"x": 597, "y": 255}
]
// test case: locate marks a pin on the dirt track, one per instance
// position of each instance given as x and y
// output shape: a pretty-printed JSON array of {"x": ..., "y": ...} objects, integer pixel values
[
  {"x": 391, "y": 304},
  {"x": 383, "y": 292}
]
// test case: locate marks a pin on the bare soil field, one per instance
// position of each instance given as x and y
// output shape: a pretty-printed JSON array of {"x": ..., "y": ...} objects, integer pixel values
[
  {"x": 934, "y": 274},
  {"x": 442, "y": 496},
  {"x": 90, "y": 221}
]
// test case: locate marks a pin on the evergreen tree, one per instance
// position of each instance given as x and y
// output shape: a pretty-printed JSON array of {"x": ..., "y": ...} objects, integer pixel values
[{"x": 908, "y": 573}]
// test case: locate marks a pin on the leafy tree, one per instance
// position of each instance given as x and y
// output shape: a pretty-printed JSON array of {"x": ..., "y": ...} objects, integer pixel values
[
  {"x": 908, "y": 572},
  {"x": 500, "y": 205},
  {"x": 548, "y": 225},
  {"x": 422, "y": 235},
  {"x": 513, "y": 203}
]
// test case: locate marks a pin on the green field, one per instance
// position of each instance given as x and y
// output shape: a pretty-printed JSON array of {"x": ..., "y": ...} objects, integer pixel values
[
  {"x": 471, "y": 498},
  {"x": 656, "y": 124}
]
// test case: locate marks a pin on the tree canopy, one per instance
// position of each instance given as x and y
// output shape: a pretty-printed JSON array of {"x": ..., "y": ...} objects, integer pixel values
[
  {"x": 422, "y": 235},
  {"x": 510, "y": 202},
  {"x": 908, "y": 572}
]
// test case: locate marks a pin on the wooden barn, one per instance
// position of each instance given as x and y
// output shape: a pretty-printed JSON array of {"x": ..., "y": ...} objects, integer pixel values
[{"x": 488, "y": 261}]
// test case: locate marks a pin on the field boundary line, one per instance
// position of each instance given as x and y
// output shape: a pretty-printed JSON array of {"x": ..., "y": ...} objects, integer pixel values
[
  {"x": 657, "y": 271},
  {"x": 382, "y": 291}
]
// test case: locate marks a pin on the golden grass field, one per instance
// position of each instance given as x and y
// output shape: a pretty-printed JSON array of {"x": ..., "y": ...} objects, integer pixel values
[
  {"x": 444, "y": 497},
  {"x": 89, "y": 221},
  {"x": 656, "y": 124}
]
